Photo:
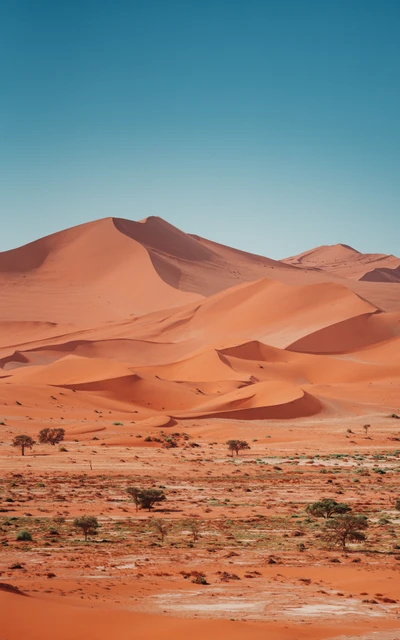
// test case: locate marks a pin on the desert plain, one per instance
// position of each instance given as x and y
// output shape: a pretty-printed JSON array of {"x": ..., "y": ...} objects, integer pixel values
[{"x": 152, "y": 348}]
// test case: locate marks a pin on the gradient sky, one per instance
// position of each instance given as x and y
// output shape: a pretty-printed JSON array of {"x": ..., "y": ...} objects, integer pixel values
[{"x": 272, "y": 126}]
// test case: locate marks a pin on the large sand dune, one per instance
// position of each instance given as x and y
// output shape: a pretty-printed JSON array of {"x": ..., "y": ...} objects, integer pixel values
[{"x": 166, "y": 324}]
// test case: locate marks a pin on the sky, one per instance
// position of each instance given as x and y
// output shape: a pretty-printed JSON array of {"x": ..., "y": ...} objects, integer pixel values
[{"x": 268, "y": 125}]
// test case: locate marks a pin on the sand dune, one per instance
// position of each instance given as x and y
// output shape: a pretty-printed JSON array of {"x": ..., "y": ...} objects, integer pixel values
[
  {"x": 260, "y": 401},
  {"x": 382, "y": 274},
  {"x": 165, "y": 324},
  {"x": 265, "y": 310},
  {"x": 344, "y": 261},
  {"x": 347, "y": 335},
  {"x": 93, "y": 268}
]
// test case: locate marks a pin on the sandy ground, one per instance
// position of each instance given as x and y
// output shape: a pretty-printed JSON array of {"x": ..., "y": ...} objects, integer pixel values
[{"x": 151, "y": 349}]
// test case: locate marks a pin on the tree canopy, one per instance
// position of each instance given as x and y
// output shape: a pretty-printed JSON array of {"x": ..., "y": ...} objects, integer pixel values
[
  {"x": 146, "y": 498},
  {"x": 88, "y": 525},
  {"x": 51, "y": 436},
  {"x": 327, "y": 507},
  {"x": 23, "y": 442},
  {"x": 345, "y": 528},
  {"x": 237, "y": 445}
]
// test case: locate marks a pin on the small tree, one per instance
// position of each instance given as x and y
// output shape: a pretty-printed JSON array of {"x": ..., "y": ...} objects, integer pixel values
[
  {"x": 344, "y": 528},
  {"x": 88, "y": 525},
  {"x": 366, "y": 427},
  {"x": 237, "y": 445},
  {"x": 51, "y": 436},
  {"x": 194, "y": 527},
  {"x": 327, "y": 507},
  {"x": 23, "y": 442},
  {"x": 162, "y": 527},
  {"x": 146, "y": 498}
]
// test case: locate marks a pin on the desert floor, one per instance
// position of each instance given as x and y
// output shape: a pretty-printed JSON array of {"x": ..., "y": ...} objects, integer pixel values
[{"x": 267, "y": 570}]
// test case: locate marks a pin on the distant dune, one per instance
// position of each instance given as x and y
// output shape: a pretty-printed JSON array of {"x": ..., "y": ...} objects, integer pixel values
[{"x": 344, "y": 261}]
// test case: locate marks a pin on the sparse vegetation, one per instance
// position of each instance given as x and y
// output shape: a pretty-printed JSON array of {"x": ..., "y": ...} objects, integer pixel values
[{"x": 220, "y": 509}]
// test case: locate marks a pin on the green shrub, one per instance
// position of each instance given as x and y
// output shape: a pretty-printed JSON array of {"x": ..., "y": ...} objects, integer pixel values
[{"x": 24, "y": 536}]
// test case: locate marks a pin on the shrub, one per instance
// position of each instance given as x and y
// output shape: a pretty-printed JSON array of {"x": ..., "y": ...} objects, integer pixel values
[
  {"x": 200, "y": 579},
  {"x": 146, "y": 498},
  {"x": 24, "y": 536}
]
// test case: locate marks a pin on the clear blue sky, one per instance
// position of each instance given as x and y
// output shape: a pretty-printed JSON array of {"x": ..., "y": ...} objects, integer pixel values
[{"x": 272, "y": 126}]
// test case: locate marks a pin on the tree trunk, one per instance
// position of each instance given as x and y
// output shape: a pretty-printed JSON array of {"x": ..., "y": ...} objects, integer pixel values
[{"x": 22, "y": 450}]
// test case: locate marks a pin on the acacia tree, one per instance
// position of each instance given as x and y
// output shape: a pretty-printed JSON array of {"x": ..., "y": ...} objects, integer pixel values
[
  {"x": 51, "y": 436},
  {"x": 237, "y": 445},
  {"x": 366, "y": 427},
  {"x": 344, "y": 528},
  {"x": 162, "y": 527},
  {"x": 194, "y": 527},
  {"x": 88, "y": 525},
  {"x": 327, "y": 507},
  {"x": 23, "y": 442},
  {"x": 134, "y": 494},
  {"x": 146, "y": 498}
]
